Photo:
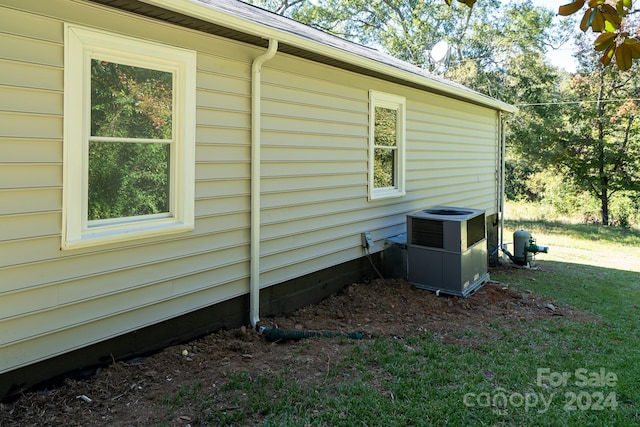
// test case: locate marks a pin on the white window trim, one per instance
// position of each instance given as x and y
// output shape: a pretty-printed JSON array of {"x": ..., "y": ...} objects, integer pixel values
[
  {"x": 394, "y": 102},
  {"x": 81, "y": 45}
]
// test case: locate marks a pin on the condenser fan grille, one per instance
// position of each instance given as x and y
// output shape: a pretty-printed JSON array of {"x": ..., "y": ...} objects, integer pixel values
[
  {"x": 475, "y": 230},
  {"x": 427, "y": 232}
]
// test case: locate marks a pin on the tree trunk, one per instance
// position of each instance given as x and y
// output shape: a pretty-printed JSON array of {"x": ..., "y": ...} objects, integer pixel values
[
  {"x": 604, "y": 205},
  {"x": 604, "y": 179}
]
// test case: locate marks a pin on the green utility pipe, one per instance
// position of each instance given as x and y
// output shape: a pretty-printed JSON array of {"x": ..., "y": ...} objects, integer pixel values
[
  {"x": 533, "y": 248},
  {"x": 276, "y": 334}
]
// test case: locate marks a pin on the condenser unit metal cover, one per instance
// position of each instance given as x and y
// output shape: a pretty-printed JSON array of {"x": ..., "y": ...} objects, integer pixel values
[{"x": 447, "y": 249}]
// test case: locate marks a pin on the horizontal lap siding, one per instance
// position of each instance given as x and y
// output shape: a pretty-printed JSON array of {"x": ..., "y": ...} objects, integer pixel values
[
  {"x": 314, "y": 183},
  {"x": 74, "y": 336},
  {"x": 452, "y": 154},
  {"x": 53, "y": 301},
  {"x": 314, "y": 164}
]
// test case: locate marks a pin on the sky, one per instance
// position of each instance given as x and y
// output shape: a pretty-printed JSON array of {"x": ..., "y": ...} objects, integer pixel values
[
  {"x": 550, "y": 4},
  {"x": 562, "y": 57}
]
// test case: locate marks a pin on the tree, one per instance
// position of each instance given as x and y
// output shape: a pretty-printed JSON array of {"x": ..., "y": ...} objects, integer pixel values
[
  {"x": 597, "y": 142},
  {"x": 405, "y": 29},
  {"x": 482, "y": 39},
  {"x": 581, "y": 127},
  {"x": 494, "y": 42},
  {"x": 534, "y": 85},
  {"x": 612, "y": 19}
]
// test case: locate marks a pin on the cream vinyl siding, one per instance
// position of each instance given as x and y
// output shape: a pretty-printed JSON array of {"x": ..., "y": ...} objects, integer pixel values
[
  {"x": 53, "y": 301},
  {"x": 314, "y": 182},
  {"x": 456, "y": 164},
  {"x": 314, "y": 164}
]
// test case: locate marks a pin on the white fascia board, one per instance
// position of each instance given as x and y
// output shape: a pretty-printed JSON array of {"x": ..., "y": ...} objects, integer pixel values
[{"x": 201, "y": 11}]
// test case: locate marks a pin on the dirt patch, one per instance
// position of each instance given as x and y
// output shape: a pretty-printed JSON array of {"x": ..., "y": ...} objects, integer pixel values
[{"x": 136, "y": 392}]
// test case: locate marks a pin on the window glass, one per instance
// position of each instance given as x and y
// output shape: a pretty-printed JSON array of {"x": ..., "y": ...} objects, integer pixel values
[
  {"x": 131, "y": 102},
  {"x": 386, "y": 145},
  {"x": 385, "y": 136},
  {"x": 129, "y": 144},
  {"x": 129, "y": 178}
]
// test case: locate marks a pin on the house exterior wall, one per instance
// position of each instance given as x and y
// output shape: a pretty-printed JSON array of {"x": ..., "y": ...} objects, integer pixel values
[
  {"x": 314, "y": 182},
  {"x": 314, "y": 151}
]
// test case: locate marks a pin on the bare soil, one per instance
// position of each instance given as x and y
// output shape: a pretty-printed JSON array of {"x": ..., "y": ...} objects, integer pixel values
[{"x": 135, "y": 392}]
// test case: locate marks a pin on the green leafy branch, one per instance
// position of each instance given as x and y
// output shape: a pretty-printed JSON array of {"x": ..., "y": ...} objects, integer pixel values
[{"x": 610, "y": 19}]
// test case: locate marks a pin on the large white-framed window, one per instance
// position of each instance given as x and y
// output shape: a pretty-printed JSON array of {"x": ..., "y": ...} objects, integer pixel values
[
  {"x": 386, "y": 145},
  {"x": 129, "y": 138}
]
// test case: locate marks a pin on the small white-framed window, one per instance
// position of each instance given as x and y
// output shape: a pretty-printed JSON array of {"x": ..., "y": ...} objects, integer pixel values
[
  {"x": 386, "y": 145},
  {"x": 129, "y": 138}
]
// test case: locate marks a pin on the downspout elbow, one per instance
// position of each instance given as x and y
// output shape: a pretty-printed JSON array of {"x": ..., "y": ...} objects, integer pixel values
[
  {"x": 256, "y": 98},
  {"x": 256, "y": 67}
]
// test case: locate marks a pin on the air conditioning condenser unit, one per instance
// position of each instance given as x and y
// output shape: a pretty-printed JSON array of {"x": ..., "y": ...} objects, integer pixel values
[{"x": 447, "y": 249}]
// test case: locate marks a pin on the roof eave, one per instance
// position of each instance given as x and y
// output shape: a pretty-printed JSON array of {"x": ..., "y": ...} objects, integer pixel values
[{"x": 201, "y": 11}]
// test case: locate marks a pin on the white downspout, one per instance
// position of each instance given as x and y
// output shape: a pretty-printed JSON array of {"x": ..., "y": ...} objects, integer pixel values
[
  {"x": 256, "y": 98},
  {"x": 503, "y": 145}
]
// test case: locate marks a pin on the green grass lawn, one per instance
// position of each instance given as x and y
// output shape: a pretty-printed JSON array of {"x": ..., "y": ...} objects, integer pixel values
[{"x": 549, "y": 372}]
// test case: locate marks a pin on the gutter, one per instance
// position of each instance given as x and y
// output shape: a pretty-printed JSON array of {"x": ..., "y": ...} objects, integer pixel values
[
  {"x": 256, "y": 112},
  {"x": 247, "y": 26}
]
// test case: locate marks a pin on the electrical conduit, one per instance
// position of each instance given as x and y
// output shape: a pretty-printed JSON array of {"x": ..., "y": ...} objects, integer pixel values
[{"x": 256, "y": 98}]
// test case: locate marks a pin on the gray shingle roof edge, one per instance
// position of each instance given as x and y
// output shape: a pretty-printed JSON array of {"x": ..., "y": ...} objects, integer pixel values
[{"x": 259, "y": 22}]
